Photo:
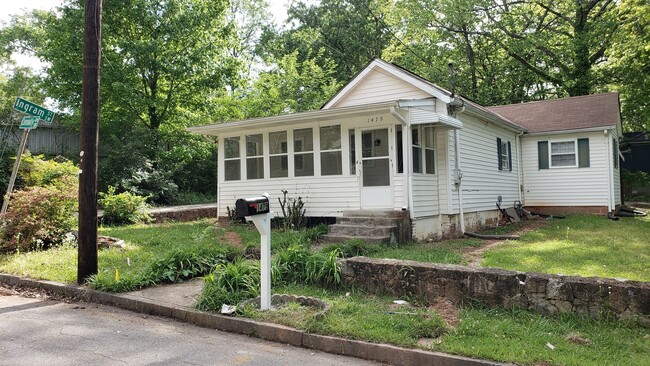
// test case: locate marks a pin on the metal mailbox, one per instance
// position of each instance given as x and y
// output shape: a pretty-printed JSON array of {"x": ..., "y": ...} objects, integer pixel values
[{"x": 252, "y": 206}]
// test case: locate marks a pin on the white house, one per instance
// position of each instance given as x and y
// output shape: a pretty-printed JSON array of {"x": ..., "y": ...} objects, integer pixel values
[{"x": 393, "y": 142}]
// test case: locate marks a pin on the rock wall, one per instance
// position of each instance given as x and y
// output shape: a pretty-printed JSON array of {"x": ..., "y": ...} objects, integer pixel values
[{"x": 548, "y": 294}]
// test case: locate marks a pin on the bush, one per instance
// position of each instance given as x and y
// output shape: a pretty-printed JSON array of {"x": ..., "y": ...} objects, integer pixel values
[
  {"x": 633, "y": 181},
  {"x": 123, "y": 208},
  {"x": 38, "y": 218},
  {"x": 36, "y": 171},
  {"x": 147, "y": 181},
  {"x": 230, "y": 283}
]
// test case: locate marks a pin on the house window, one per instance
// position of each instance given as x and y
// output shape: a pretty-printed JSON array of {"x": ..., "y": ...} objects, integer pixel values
[
  {"x": 232, "y": 162},
  {"x": 615, "y": 151},
  {"x": 429, "y": 156},
  {"x": 278, "y": 157},
  {"x": 417, "y": 150},
  {"x": 330, "y": 147},
  {"x": 504, "y": 154},
  {"x": 563, "y": 153},
  {"x": 254, "y": 157},
  {"x": 303, "y": 157}
]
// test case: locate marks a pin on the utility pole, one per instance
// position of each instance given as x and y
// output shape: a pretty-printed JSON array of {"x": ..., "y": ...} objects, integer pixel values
[{"x": 87, "y": 240}]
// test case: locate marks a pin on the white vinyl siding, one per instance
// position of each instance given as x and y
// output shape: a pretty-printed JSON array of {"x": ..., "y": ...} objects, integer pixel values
[
  {"x": 482, "y": 180},
  {"x": 569, "y": 186},
  {"x": 379, "y": 87},
  {"x": 323, "y": 196},
  {"x": 425, "y": 195}
]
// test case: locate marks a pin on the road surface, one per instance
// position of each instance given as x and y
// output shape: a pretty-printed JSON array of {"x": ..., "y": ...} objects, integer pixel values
[{"x": 37, "y": 331}]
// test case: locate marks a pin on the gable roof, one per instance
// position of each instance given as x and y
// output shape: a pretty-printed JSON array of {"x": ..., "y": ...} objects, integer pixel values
[
  {"x": 421, "y": 83},
  {"x": 566, "y": 114}
]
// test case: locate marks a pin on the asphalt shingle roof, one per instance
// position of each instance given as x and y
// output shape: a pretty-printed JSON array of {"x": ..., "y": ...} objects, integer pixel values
[{"x": 588, "y": 111}]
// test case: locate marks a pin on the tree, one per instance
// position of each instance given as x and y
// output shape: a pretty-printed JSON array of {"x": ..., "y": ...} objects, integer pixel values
[{"x": 628, "y": 66}]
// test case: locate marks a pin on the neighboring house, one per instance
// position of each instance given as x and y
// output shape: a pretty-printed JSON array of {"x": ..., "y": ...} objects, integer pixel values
[
  {"x": 393, "y": 141},
  {"x": 636, "y": 152}
]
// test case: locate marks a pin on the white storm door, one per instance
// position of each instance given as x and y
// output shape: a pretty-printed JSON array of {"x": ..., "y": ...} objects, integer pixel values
[{"x": 374, "y": 166}]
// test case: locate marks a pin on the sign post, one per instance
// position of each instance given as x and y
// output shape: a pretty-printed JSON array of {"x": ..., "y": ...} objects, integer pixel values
[
  {"x": 257, "y": 209},
  {"x": 37, "y": 113}
]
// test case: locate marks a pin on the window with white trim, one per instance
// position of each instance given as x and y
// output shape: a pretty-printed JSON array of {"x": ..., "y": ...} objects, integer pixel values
[
  {"x": 232, "y": 161},
  {"x": 563, "y": 153},
  {"x": 416, "y": 146},
  {"x": 303, "y": 155},
  {"x": 429, "y": 153},
  {"x": 504, "y": 154},
  {"x": 278, "y": 154},
  {"x": 254, "y": 157},
  {"x": 330, "y": 150}
]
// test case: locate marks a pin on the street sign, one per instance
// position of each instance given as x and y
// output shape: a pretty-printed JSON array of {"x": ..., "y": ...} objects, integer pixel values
[
  {"x": 29, "y": 123},
  {"x": 25, "y": 106}
]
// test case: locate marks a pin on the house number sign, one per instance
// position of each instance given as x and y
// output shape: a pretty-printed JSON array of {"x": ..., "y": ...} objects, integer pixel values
[{"x": 375, "y": 119}]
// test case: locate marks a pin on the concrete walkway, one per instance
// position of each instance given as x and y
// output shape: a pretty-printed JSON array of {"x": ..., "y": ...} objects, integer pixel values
[{"x": 176, "y": 301}]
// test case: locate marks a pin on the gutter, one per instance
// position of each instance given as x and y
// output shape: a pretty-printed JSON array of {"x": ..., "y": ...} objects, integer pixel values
[{"x": 577, "y": 130}]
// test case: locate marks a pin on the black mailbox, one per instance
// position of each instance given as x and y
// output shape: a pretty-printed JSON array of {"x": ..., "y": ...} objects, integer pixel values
[{"x": 251, "y": 206}]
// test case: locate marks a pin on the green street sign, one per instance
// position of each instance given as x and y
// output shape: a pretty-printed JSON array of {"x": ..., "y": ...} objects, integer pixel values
[
  {"x": 25, "y": 106},
  {"x": 29, "y": 123}
]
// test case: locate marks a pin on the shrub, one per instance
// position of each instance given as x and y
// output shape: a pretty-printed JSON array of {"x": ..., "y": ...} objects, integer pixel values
[
  {"x": 123, "y": 208},
  {"x": 230, "y": 283},
  {"x": 293, "y": 211},
  {"x": 36, "y": 171},
  {"x": 148, "y": 181},
  {"x": 38, "y": 218}
]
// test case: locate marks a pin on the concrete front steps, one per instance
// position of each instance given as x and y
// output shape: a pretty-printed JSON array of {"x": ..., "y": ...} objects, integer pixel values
[{"x": 372, "y": 226}]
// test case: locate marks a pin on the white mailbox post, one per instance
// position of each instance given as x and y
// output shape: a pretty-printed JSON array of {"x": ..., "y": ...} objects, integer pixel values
[{"x": 257, "y": 210}]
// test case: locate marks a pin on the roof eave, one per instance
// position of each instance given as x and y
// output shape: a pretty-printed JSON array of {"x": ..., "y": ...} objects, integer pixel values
[{"x": 576, "y": 130}]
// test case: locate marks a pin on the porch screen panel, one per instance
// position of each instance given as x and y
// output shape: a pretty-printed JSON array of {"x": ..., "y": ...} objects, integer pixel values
[
  {"x": 232, "y": 163},
  {"x": 303, "y": 157},
  {"x": 278, "y": 160},
  {"x": 254, "y": 157},
  {"x": 330, "y": 147}
]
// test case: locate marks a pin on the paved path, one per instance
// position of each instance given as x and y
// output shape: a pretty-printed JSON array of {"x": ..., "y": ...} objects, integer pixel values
[{"x": 47, "y": 332}]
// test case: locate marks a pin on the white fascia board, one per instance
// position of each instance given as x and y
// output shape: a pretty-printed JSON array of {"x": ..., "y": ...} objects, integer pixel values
[
  {"x": 289, "y": 119},
  {"x": 393, "y": 71},
  {"x": 563, "y": 132},
  {"x": 420, "y": 117}
]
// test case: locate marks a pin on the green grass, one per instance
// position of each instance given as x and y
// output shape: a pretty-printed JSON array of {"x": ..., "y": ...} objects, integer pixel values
[
  {"x": 507, "y": 335},
  {"x": 581, "y": 245},
  {"x": 448, "y": 251},
  {"x": 149, "y": 248}
]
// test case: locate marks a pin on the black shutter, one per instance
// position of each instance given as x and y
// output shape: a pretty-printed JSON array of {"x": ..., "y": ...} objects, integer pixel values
[
  {"x": 499, "y": 153},
  {"x": 542, "y": 154},
  {"x": 509, "y": 156},
  {"x": 583, "y": 153}
]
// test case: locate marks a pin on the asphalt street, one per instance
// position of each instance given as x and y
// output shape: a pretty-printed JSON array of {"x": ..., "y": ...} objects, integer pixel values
[{"x": 37, "y": 331}]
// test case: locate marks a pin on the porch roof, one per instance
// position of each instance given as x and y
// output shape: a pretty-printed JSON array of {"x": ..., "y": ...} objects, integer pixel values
[{"x": 417, "y": 117}]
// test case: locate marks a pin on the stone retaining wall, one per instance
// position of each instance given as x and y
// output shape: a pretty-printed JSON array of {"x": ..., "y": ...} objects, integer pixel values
[
  {"x": 183, "y": 214},
  {"x": 548, "y": 294}
]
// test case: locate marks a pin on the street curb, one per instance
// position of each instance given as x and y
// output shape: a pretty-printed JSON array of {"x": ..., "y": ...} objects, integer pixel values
[{"x": 272, "y": 332}]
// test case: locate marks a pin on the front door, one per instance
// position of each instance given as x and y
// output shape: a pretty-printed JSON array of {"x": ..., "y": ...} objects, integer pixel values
[{"x": 373, "y": 162}]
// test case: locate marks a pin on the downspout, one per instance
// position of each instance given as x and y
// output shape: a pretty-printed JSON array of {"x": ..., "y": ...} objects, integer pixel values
[
  {"x": 458, "y": 175},
  {"x": 407, "y": 167},
  {"x": 610, "y": 175},
  {"x": 454, "y": 104},
  {"x": 520, "y": 168}
]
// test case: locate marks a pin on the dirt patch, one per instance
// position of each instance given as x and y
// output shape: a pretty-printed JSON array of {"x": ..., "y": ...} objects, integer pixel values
[
  {"x": 7, "y": 290},
  {"x": 474, "y": 255},
  {"x": 447, "y": 310},
  {"x": 234, "y": 239}
]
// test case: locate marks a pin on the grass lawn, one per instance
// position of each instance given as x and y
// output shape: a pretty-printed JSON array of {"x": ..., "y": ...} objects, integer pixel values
[
  {"x": 145, "y": 244},
  {"x": 582, "y": 245},
  {"x": 506, "y": 335}
]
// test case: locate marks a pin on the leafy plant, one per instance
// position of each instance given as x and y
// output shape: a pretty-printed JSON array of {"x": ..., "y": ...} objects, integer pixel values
[
  {"x": 37, "y": 171},
  {"x": 38, "y": 218},
  {"x": 352, "y": 248},
  {"x": 229, "y": 283},
  {"x": 186, "y": 263},
  {"x": 293, "y": 211},
  {"x": 148, "y": 181},
  {"x": 123, "y": 208}
]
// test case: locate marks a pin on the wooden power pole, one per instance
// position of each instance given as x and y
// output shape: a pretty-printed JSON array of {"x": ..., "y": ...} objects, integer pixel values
[{"x": 87, "y": 240}]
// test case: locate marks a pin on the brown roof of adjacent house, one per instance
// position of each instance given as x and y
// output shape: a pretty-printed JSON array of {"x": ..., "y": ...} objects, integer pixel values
[{"x": 575, "y": 113}]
